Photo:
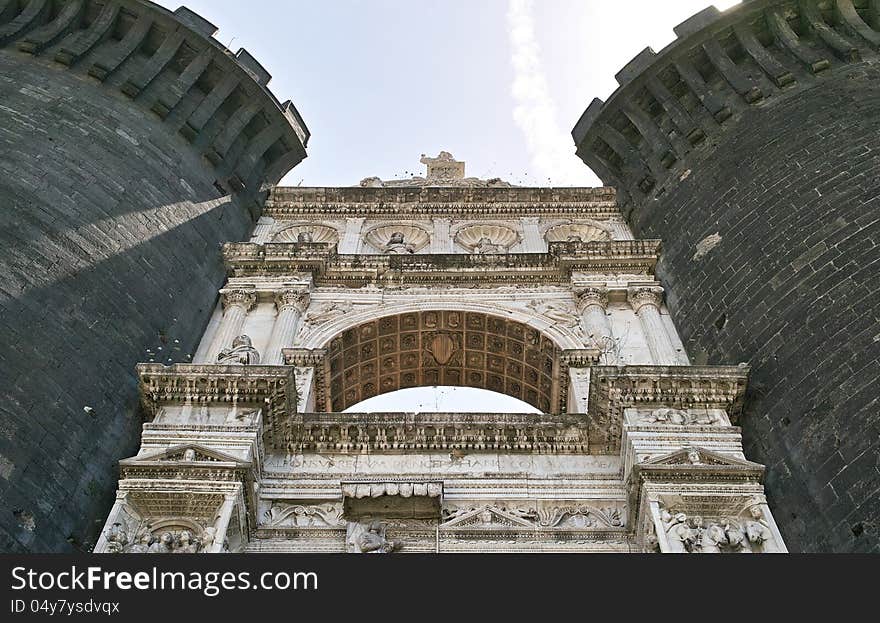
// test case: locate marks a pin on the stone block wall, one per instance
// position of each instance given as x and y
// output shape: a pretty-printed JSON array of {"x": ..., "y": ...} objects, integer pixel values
[
  {"x": 132, "y": 145},
  {"x": 750, "y": 146}
]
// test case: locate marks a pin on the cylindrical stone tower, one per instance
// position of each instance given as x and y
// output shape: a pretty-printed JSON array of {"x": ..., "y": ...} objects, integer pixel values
[
  {"x": 751, "y": 146},
  {"x": 132, "y": 144}
]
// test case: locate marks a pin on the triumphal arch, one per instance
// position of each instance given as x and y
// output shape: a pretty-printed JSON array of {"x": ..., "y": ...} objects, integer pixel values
[{"x": 343, "y": 294}]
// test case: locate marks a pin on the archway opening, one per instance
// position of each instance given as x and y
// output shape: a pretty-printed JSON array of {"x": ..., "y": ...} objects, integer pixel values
[
  {"x": 443, "y": 348},
  {"x": 442, "y": 400}
]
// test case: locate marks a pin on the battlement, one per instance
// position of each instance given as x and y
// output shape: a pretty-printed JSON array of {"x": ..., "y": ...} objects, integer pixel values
[
  {"x": 673, "y": 102},
  {"x": 170, "y": 64}
]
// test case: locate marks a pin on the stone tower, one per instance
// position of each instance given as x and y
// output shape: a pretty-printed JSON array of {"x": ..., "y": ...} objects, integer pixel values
[
  {"x": 132, "y": 144},
  {"x": 343, "y": 294},
  {"x": 751, "y": 146}
]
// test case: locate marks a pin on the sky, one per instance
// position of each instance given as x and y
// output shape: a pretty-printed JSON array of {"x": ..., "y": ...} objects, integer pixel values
[{"x": 498, "y": 83}]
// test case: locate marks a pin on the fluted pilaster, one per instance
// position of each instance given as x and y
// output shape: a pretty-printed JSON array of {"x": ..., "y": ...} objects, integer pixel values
[
  {"x": 291, "y": 305},
  {"x": 236, "y": 305},
  {"x": 646, "y": 302},
  {"x": 592, "y": 305}
]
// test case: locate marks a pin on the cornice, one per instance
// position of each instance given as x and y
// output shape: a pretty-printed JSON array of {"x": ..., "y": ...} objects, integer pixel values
[
  {"x": 612, "y": 389},
  {"x": 270, "y": 388},
  {"x": 433, "y": 432},
  {"x": 329, "y": 268},
  {"x": 288, "y": 202}
]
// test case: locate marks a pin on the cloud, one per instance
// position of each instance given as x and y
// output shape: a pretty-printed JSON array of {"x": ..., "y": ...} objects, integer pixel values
[{"x": 550, "y": 147}]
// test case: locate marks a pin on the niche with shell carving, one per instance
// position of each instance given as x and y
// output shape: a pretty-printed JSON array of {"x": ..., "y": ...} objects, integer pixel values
[
  {"x": 486, "y": 238},
  {"x": 307, "y": 232},
  {"x": 578, "y": 232},
  {"x": 413, "y": 236}
]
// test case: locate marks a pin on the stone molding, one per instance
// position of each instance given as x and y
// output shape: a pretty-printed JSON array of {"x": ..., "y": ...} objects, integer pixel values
[
  {"x": 480, "y": 203},
  {"x": 293, "y": 299},
  {"x": 270, "y": 388},
  {"x": 242, "y": 298},
  {"x": 435, "y": 432},
  {"x": 329, "y": 268},
  {"x": 612, "y": 389},
  {"x": 588, "y": 297},
  {"x": 640, "y": 296}
]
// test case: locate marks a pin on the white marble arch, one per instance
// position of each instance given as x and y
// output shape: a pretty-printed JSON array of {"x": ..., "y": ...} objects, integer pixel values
[{"x": 321, "y": 335}]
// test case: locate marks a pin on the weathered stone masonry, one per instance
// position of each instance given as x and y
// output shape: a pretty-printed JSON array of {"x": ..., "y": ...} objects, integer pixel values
[
  {"x": 750, "y": 146},
  {"x": 131, "y": 145},
  {"x": 343, "y": 294}
]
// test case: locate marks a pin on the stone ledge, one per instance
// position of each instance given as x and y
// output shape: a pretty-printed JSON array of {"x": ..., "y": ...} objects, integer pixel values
[{"x": 329, "y": 268}]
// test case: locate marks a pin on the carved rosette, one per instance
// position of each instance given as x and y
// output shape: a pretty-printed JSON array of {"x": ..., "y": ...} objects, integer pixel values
[
  {"x": 298, "y": 300},
  {"x": 239, "y": 298},
  {"x": 640, "y": 296},
  {"x": 589, "y": 297}
]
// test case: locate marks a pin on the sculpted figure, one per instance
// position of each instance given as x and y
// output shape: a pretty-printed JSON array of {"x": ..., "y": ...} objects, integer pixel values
[
  {"x": 304, "y": 237},
  {"x": 693, "y": 457},
  {"x": 736, "y": 540},
  {"x": 327, "y": 312},
  {"x": 397, "y": 245},
  {"x": 242, "y": 353},
  {"x": 117, "y": 539},
  {"x": 142, "y": 546},
  {"x": 486, "y": 247},
  {"x": 652, "y": 543},
  {"x": 163, "y": 545},
  {"x": 671, "y": 416},
  {"x": 697, "y": 531},
  {"x": 574, "y": 238},
  {"x": 373, "y": 541},
  {"x": 683, "y": 530},
  {"x": 209, "y": 537},
  {"x": 679, "y": 417},
  {"x": 186, "y": 544},
  {"x": 757, "y": 531},
  {"x": 189, "y": 455},
  {"x": 372, "y": 182},
  {"x": 715, "y": 538}
]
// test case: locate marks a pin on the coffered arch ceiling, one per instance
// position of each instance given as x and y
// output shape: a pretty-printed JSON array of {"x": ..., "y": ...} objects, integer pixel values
[{"x": 450, "y": 348}]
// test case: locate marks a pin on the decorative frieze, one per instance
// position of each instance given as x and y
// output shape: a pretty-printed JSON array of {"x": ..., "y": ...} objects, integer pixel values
[
  {"x": 434, "y": 432},
  {"x": 380, "y": 269},
  {"x": 613, "y": 389}
]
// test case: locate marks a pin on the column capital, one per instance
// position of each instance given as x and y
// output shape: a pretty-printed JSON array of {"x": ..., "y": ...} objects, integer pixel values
[
  {"x": 589, "y": 297},
  {"x": 292, "y": 299},
  {"x": 640, "y": 296},
  {"x": 245, "y": 299}
]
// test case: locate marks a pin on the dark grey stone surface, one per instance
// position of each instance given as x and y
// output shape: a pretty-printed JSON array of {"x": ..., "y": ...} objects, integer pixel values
[
  {"x": 791, "y": 183},
  {"x": 111, "y": 221}
]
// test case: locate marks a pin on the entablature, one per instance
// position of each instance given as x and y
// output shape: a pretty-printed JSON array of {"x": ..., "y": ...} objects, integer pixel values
[
  {"x": 613, "y": 389},
  {"x": 288, "y": 202},
  {"x": 329, "y": 268}
]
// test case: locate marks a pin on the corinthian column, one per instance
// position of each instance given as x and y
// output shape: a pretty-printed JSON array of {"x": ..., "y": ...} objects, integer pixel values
[
  {"x": 592, "y": 304},
  {"x": 236, "y": 305},
  {"x": 646, "y": 301},
  {"x": 291, "y": 305}
]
